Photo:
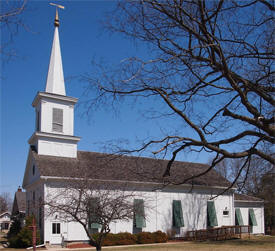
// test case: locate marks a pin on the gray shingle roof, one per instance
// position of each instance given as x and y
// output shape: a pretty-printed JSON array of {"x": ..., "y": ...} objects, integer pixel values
[
  {"x": 19, "y": 203},
  {"x": 244, "y": 197},
  {"x": 124, "y": 168}
]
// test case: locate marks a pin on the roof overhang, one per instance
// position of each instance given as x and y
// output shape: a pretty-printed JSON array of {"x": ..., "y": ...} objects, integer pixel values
[
  {"x": 250, "y": 201},
  {"x": 160, "y": 186},
  {"x": 47, "y": 95},
  {"x": 4, "y": 213},
  {"x": 45, "y": 135}
]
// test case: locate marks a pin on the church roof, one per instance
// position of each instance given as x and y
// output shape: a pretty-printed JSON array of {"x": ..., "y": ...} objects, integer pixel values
[
  {"x": 244, "y": 197},
  {"x": 124, "y": 168}
]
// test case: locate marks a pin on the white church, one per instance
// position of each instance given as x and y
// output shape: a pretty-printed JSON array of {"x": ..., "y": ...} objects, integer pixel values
[{"x": 53, "y": 154}]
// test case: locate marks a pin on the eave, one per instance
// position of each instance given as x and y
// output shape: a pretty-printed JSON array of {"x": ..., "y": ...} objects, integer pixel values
[
  {"x": 53, "y": 136},
  {"x": 54, "y": 97},
  {"x": 155, "y": 184}
]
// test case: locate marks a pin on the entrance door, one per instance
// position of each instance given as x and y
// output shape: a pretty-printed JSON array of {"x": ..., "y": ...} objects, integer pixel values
[{"x": 56, "y": 237}]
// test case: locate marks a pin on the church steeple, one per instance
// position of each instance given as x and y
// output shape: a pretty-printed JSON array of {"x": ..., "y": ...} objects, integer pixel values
[
  {"x": 54, "y": 130},
  {"x": 55, "y": 79}
]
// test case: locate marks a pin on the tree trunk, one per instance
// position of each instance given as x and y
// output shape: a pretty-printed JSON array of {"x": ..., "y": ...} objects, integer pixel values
[{"x": 98, "y": 248}]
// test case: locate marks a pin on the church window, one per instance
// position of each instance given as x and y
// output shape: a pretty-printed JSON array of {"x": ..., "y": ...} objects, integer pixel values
[
  {"x": 55, "y": 228},
  {"x": 139, "y": 214},
  {"x": 57, "y": 122},
  {"x": 33, "y": 169},
  {"x": 94, "y": 218},
  {"x": 225, "y": 213}
]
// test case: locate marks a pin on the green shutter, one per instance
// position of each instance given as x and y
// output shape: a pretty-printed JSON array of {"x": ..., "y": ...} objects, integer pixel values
[
  {"x": 139, "y": 215},
  {"x": 211, "y": 214},
  {"x": 93, "y": 217},
  {"x": 252, "y": 217},
  {"x": 238, "y": 217},
  {"x": 177, "y": 214}
]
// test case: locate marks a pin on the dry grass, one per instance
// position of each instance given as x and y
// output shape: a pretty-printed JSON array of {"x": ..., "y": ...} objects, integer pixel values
[{"x": 257, "y": 243}]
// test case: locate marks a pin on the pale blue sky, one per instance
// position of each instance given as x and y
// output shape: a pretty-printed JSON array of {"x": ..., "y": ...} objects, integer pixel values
[{"x": 82, "y": 38}]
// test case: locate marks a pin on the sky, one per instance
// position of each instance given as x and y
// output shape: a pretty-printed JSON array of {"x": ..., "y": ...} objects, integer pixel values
[{"x": 82, "y": 38}]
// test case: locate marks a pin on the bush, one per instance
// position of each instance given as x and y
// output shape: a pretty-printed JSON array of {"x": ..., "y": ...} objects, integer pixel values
[
  {"x": 24, "y": 238},
  {"x": 145, "y": 238},
  {"x": 110, "y": 240},
  {"x": 15, "y": 228},
  {"x": 117, "y": 239},
  {"x": 160, "y": 237},
  {"x": 131, "y": 239},
  {"x": 126, "y": 239}
]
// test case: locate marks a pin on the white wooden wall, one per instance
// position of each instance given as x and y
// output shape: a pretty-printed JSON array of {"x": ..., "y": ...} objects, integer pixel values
[
  {"x": 259, "y": 214},
  {"x": 158, "y": 210}
]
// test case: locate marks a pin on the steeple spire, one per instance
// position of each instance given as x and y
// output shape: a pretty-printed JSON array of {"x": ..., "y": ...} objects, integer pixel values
[
  {"x": 54, "y": 130},
  {"x": 55, "y": 79}
]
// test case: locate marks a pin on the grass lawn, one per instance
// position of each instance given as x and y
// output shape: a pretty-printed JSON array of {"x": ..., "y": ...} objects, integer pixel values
[
  {"x": 256, "y": 243},
  {"x": 259, "y": 243}
]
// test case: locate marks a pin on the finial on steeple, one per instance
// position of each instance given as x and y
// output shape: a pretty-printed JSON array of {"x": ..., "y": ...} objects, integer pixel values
[
  {"x": 55, "y": 79},
  {"x": 56, "y": 20}
]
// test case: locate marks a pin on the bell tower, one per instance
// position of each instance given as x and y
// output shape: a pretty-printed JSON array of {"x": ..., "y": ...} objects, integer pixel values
[{"x": 54, "y": 126}]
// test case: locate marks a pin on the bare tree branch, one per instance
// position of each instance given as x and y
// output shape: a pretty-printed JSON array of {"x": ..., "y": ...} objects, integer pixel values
[{"x": 211, "y": 68}]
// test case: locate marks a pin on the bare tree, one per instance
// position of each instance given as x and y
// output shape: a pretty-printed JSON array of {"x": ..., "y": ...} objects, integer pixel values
[
  {"x": 266, "y": 192},
  {"x": 5, "y": 202},
  {"x": 93, "y": 204},
  {"x": 247, "y": 177},
  {"x": 210, "y": 71},
  {"x": 10, "y": 22}
]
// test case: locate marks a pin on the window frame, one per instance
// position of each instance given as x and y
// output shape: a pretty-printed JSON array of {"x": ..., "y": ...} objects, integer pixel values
[
  {"x": 225, "y": 213},
  {"x": 56, "y": 228},
  {"x": 139, "y": 220}
]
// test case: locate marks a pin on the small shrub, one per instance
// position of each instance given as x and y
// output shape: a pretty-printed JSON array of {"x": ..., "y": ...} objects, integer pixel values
[
  {"x": 160, "y": 237},
  {"x": 117, "y": 239},
  {"x": 131, "y": 239},
  {"x": 145, "y": 238},
  {"x": 109, "y": 240},
  {"x": 126, "y": 239},
  {"x": 15, "y": 228},
  {"x": 24, "y": 238},
  {"x": 14, "y": 242}
]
